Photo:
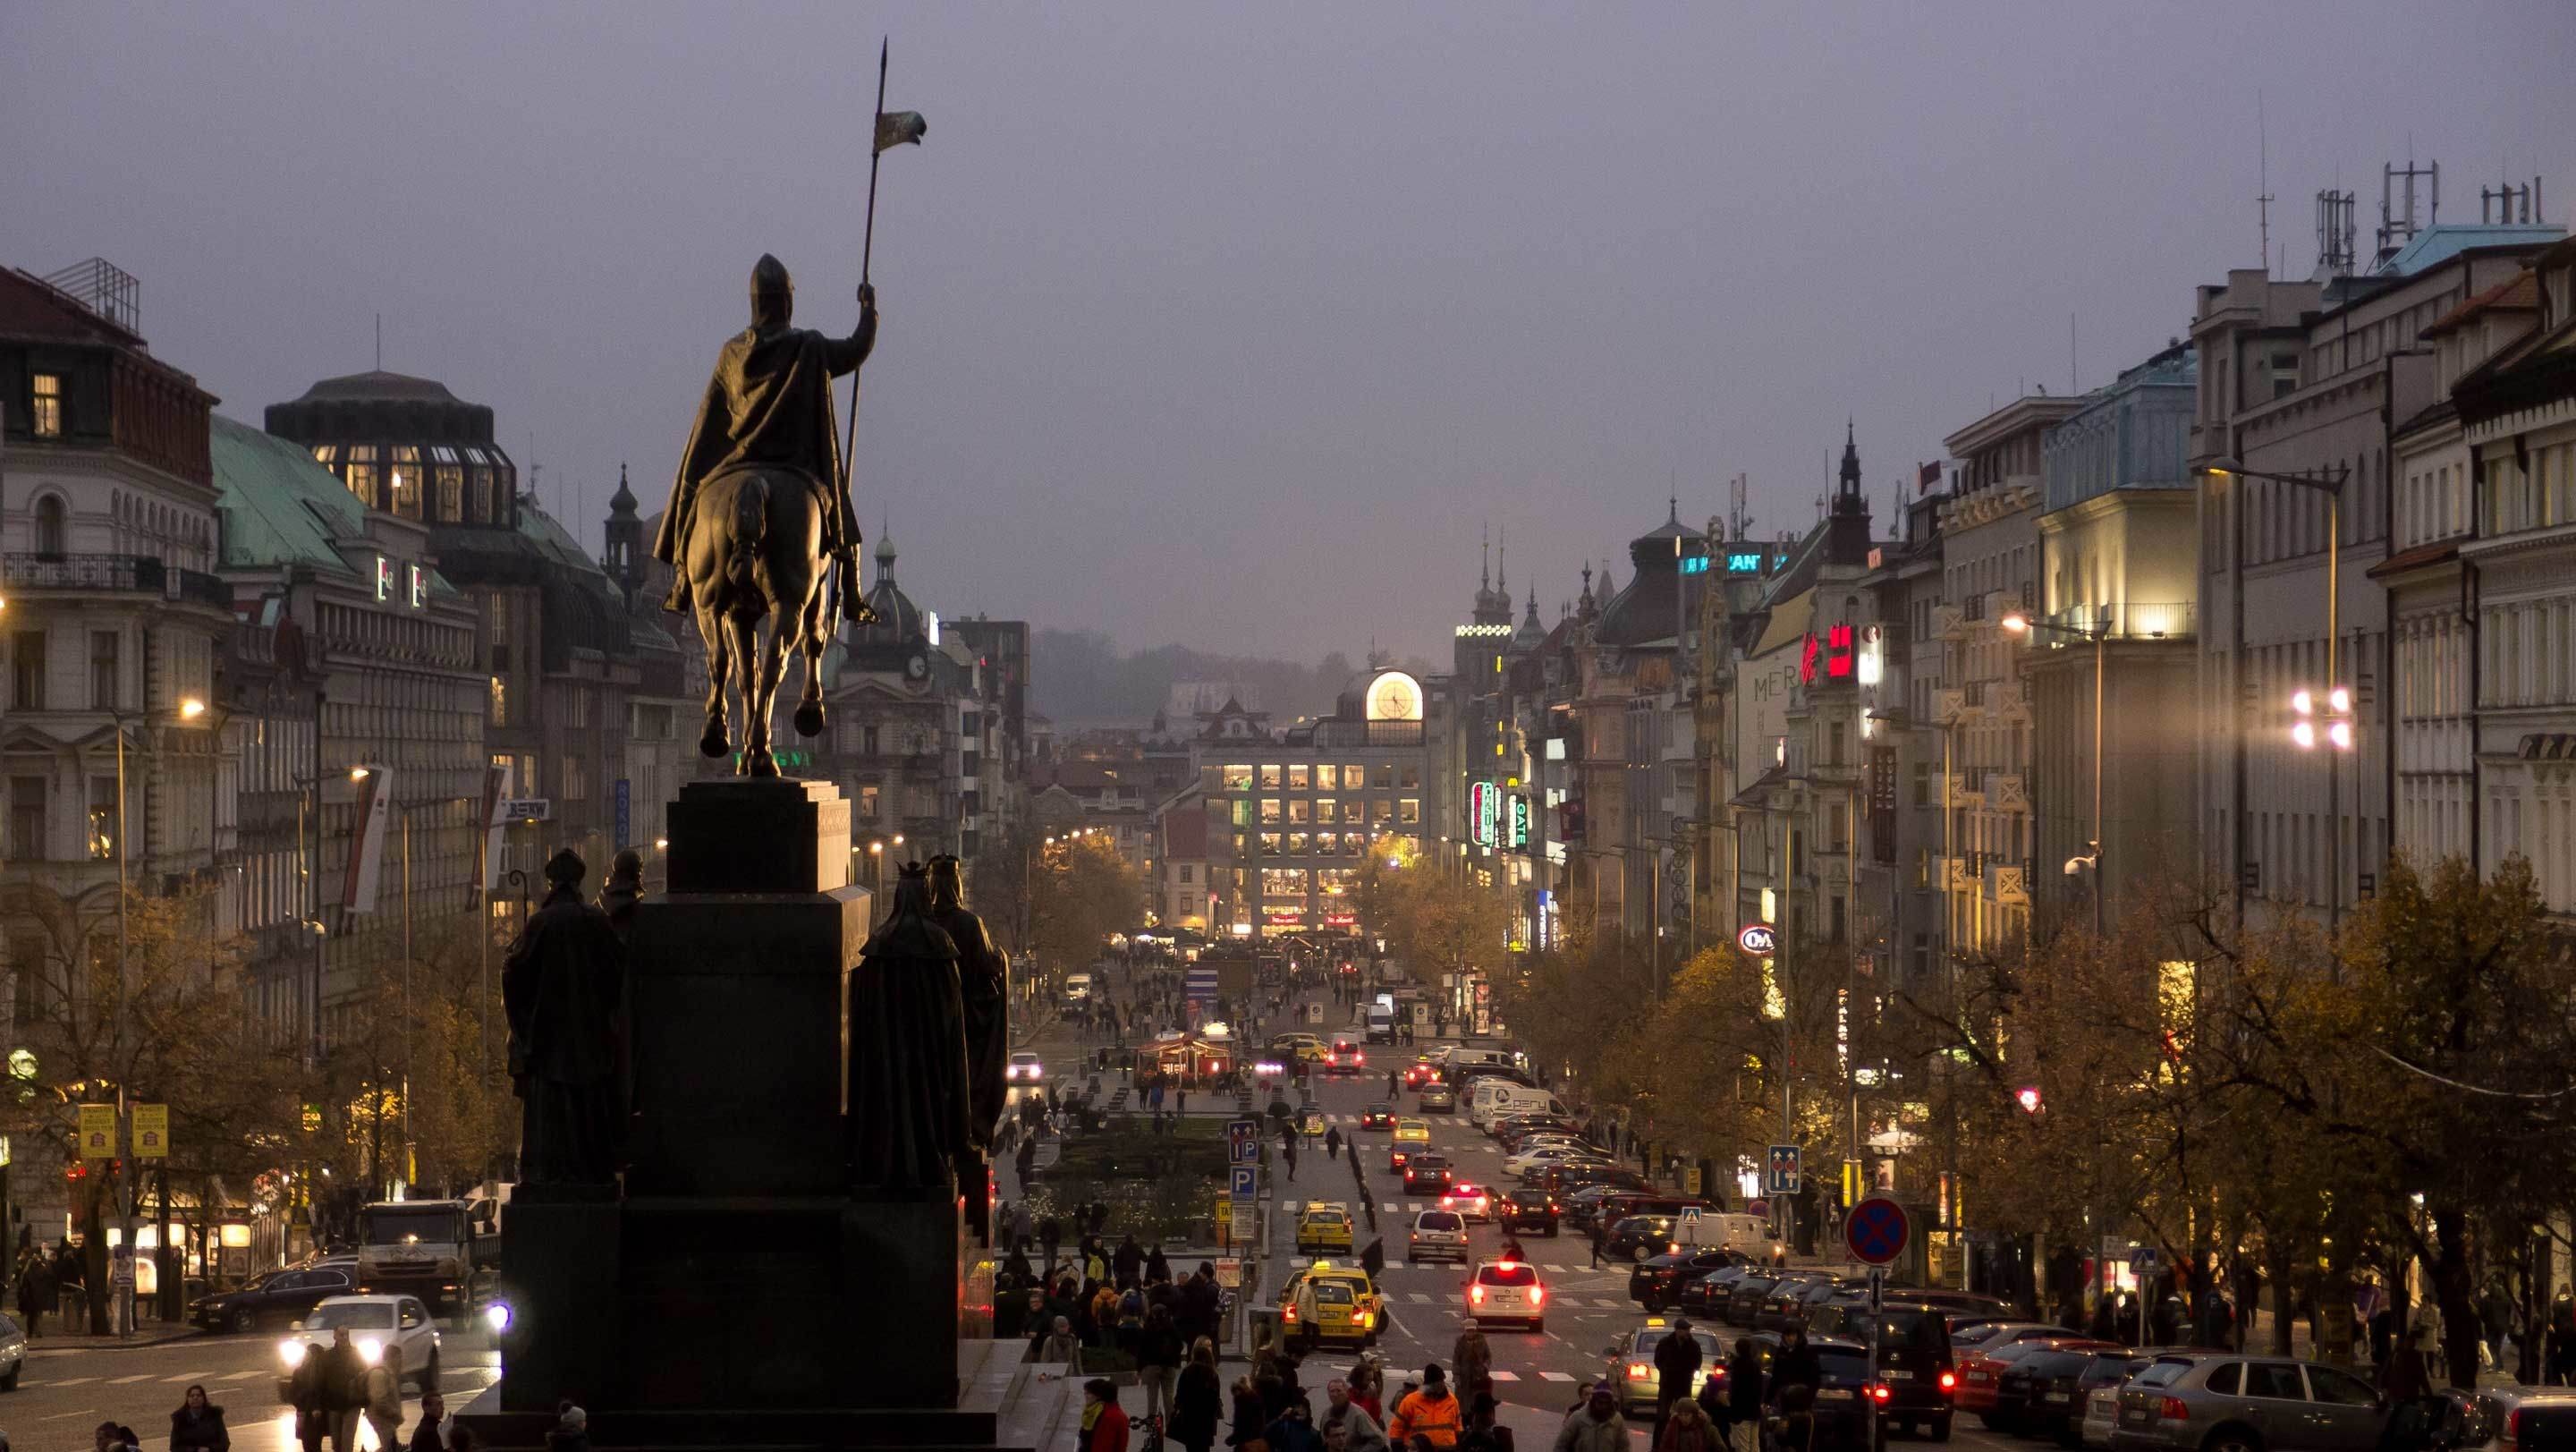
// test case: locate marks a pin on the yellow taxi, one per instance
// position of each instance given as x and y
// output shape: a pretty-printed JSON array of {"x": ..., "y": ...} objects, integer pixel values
[
  {"x": 1306, "y": 1048},
  {"x": 1345, "y": 1306},
  {"x": 1413, "y": 1131},
  {"x": 1324, "y": 1226}
]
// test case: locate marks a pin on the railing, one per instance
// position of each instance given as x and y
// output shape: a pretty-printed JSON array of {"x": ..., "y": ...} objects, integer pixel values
[
  {"x": 141, "y": 574},
  {"x": 2132, "y": 620}
]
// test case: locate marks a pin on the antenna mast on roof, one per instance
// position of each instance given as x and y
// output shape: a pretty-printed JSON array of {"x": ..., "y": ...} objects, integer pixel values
[
  {"x": 2263, "y": 182},
  {"x": 2334, "y": 234},
  {"x": 2396, "y": 231}
]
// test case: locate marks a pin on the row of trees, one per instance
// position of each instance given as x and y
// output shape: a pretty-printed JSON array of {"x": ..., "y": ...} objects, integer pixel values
[
  {"x": 1080, "y": 890},
  {"x": 2274, "y": 1107},
  {"x": 253, "y": 1120}
]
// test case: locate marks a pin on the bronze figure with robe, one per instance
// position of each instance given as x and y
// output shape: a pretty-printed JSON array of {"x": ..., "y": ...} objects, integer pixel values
[
  {"x": 563, "y": 984},
  {"x": 769, "y": 402},
  {"x": 908, "y": 1096},
  {"x": 983, "y": 980}
]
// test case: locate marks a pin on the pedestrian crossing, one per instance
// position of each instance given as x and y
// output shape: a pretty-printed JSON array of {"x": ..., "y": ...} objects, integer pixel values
[{"x": 1333, "y": 1370}]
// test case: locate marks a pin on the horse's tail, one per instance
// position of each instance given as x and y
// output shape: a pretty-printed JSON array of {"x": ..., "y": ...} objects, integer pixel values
[{"x": 750, "y": 530}]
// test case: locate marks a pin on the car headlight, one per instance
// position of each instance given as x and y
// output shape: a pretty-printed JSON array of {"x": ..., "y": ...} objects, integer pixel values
[
  {"x": 497, "y": 1316},
  {"x": 290, "y": 1351},
  {"x": 370, "y": 1350}
]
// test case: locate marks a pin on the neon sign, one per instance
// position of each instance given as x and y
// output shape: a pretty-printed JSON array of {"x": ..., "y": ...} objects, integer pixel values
[{"x": 1831, "y": 655}]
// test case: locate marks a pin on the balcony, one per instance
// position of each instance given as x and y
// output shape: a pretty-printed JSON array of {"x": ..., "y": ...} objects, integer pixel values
[
  {"x": 2130, "y": 620},
  {"x": 132, "y": 574}
]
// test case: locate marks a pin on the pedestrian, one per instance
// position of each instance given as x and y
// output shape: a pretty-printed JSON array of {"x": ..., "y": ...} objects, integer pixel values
[
  {"x": 1471, "y": 1362},
  {"x": 430, "y": 1434},
  {"x": 1333, "y": 1143},
  {"x": 1157, "y": 1269},
  {"x": 571, "y": 1431},
  {"x": 384, "y": 1397},
  {"x": 35, "y": 1295},
  {"x": 304, "y": 1393},
  {"x": 198, "y": 1425},
  {"x": 1244, "y": 1429},
  {"x": 1677, "y": 1360},
  {"x": 1686, "y": 1429},
  {"x": 1196, "y": 1399},
  {"x": 1482, "y": 1434},
  {"x": 1129, "y": 1263},
  {"x": 1794, "y": 1365},
  {"x": 1596, "y": 1426},
  {"x": 344, "y": 1390},
  {"x": 1431, "y": 1413},
  {"x": 1062, "y": 1345},
  {"x": 1104, "y": 1422},
  {"x": 1181, "y": 1101},
  {"x": 1347, "y": 1426},
  {"x": 1289, "y": 1155},
  {"x": 1600, "y": 1233},
  {"x": 1293, "y": 1429},
  {"x": 1744, "y": 1397}
]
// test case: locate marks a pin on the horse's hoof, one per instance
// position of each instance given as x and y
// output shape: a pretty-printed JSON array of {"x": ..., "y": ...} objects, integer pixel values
[
  {"x": 713, "y": 744},
  {"x": 809, "y": 719}
]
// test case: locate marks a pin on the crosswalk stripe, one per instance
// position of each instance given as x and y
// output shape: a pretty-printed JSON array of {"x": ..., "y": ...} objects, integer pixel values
[
  {"x": 1607, "y": 1304},
  {"x": 1504, "y": 1375},
  {"x": 129, "y": 1380},
  {"x": 193, "y": 1376},
  {"x": 1556, "y": 1376},
  {"x": 1419, "y": 1298},
  {"x": 70, "y": 1381},
  {"x": 240, "y": 1375}
]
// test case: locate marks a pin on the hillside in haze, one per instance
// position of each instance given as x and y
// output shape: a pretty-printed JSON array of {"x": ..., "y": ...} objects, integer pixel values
[{"x": 1082, "y": 676}]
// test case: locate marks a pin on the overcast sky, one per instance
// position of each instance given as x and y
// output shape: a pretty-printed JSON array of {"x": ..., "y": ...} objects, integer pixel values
[{"x": 1230, "y": 324}]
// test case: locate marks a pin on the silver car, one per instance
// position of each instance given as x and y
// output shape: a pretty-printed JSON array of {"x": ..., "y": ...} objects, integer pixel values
[
  {"x": 2246, "y": 1404},
  {"x": 2507, "y": 1419},
  {"x": 1440, "y": 1233}
]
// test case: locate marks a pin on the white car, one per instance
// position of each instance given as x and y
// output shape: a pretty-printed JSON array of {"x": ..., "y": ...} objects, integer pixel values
[
  {"x": 1540, "y": 1156},
  {"x": 1023, "y": 1068},
  {"x": 378, "y": 1325},
  {"x": 1438, "y": 1232},
  {"x": 1507, "y": 1290}
]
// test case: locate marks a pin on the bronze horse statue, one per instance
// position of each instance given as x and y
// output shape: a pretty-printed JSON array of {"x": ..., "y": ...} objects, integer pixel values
[{"x": 756, "y": 553}]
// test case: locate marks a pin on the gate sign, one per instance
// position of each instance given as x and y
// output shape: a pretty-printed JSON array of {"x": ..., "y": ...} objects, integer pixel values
[
  {"x": 1787, "y": 1166},
  {"x": 1876, "y": 1230},
  {"x": 1758, "y": 939}
]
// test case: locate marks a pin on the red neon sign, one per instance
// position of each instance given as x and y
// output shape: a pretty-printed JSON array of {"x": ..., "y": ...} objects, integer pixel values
[{"x": 1832, "y": 655}]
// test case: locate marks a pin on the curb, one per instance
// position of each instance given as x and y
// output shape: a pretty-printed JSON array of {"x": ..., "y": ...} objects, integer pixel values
[{"x": 40, "y": 1347}]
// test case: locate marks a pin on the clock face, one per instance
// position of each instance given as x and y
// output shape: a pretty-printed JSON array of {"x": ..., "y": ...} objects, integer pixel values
[
  {"x": 918, "y": 666},
  {"x": 1394, "y": 696}
]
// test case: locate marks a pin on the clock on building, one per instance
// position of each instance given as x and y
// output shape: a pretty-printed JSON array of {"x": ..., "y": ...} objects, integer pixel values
[{"x": 1395, "y": 696}]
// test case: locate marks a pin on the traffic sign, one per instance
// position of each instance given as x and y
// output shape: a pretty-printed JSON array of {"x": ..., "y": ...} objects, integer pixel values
[
  {"x": 1239, "y": 1130},
  {"x": 1689, "y": 1221},
  {"x": 1758, "y": 939},
  {"x": 1787, "y": 1168},
  {"x": 1876, "y": 1230},
  {"x": 1241, "y": 1184},
  {"x": 2142, "y": 1260},
  {"x": 1243, "y": 1152},
  {"x": 1314, "y": 1123},
  {"x": 1229, "y": 1273}
]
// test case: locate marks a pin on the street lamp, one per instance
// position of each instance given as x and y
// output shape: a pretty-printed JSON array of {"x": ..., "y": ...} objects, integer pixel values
[
  {"x": 2330, "y": 483},
  {"x": 2099, "y": 633}
]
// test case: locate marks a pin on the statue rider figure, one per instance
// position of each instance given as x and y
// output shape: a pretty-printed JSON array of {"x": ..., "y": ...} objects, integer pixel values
[{"x": 770, "y": 402}]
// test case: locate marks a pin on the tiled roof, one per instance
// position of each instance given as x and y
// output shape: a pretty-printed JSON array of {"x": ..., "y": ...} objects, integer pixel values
[{"x": 2518, "y": 293}]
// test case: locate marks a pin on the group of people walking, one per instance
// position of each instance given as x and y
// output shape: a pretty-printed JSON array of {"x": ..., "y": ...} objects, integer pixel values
[{"x": 333, "y": 1389}]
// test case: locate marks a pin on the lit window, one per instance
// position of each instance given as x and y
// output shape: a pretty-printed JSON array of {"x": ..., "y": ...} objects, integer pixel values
[
  {"x": 500, "y": 702},
  {"x": 46, "y": 414},
  {"x": 1298, "y": 778},
  {"x": 1238, "y": 778},
  {"x": 1270, "y": 809},
  {"x": 1270, "y": 777},
  {"x": 1409, "y": 810}
]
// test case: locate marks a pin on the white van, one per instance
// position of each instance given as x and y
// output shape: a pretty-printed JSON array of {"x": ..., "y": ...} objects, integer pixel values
[
  {"x": 1745, "y": 1234},
  {"x": 1077, "y": 987},
  {"x": 1494, "y": 1098}
]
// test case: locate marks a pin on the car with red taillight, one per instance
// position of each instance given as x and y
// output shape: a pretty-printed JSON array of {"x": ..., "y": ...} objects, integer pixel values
[
  {"x": 2508, "y": 1419},
  {"x": 1914, "y": 1357},
  {"x": 2038, "y": 1395},
  {"x": 2234, "y": 1403},
  {"x": 1632, "y": 1365},
  {"x": 1981, "y": 1373},
  {"x": 1507, "y": 1290}
]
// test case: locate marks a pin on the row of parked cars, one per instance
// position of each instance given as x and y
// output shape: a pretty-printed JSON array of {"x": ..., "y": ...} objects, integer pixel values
[{"x": 1948, "y": 1353}]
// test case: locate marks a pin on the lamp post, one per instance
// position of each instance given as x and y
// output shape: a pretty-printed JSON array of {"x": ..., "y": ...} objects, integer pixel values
[
  {"x": 2330, "y": 483},
  {"x": 2099, "y": 634}
]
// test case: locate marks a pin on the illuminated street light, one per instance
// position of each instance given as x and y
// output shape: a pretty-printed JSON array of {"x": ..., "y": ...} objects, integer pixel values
[
  {"x": 2015, "y": 623},
  {"x": 2027, "y": 1096},
  {"x": 191, "y": 708}
]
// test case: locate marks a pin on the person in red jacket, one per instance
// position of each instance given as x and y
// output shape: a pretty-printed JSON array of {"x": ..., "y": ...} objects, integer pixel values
[{"x": 1104, "y": 1422}]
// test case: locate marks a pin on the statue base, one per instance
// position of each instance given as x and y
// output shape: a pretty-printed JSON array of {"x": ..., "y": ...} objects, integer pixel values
[{"x": 735, "y": 1289}]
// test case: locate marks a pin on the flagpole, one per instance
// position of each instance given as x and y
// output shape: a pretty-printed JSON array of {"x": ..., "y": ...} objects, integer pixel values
[{"x": 867, "y": 254}]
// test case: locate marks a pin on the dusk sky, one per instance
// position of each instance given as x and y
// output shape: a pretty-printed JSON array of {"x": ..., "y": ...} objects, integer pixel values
[{"x": 1230, "y": 325}]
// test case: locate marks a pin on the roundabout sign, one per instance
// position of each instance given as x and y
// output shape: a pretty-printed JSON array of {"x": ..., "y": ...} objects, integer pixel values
[{"x": 1758, "y": 939}]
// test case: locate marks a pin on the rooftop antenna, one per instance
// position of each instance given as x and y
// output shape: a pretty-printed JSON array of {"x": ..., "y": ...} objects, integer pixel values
[
  {"x": 2396, "y": 185},
  {"x": 2334, "y": 233},
  {"x": 2263, "y": 181}
]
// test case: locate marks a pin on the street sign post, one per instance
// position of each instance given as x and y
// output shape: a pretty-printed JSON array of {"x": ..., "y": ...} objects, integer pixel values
[
  {"x": 1786, "y": 1169},
  {"x": 1876, "y": 1231}
]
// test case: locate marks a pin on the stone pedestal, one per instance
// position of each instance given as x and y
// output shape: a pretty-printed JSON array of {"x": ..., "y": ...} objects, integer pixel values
[{"x": 736, "y": 1290}]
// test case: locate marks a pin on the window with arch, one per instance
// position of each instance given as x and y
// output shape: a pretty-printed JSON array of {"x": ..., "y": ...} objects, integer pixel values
[{"x": 51, "y": 529}]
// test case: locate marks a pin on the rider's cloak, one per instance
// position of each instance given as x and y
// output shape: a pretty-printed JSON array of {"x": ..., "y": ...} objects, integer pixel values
[{"x": 769, "y": 402}]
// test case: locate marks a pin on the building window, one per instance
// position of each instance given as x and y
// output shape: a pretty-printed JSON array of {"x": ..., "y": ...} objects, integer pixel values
[
  {"x": 1300, "y": 779},
  {"x": 49, "y": 525},
  {"x": 1270, "y": 844},
  {"x": 1384, "y": 777},
  {"x": 580, "y": 708},
  {"x": 576, "y": 779},
  {"x": 27, "y": 818},
  {"x": 409, "y": 486},
  {"x": 1270, "y": 809},
  {"x": 45, "y": 395},
  {"x": 869, "y": 801},
  {"x": 1412, "y": 778},
  {"x": 102, "y": 818},
  {"x": 1300, "y": 809},
  {"x": 103, "y": 673},
  {"x": 1270, "y": 777},
  {"x": 1325, "y": 809},
  {"x": 1297, "y": 844},
  {"x": 27, "y": 670},
  {"x": 1922, "y": 783},
  {"x": 1326, "y": 778},
  {"x": 1409, "y": 810},
  {"x": 362, "y": 474},
  {"x": 1238, "y": 778},
  {"x": 451, "y": 494},
  {"x": 500, "y": 708},
  {"x": 1382, "y": 811}
]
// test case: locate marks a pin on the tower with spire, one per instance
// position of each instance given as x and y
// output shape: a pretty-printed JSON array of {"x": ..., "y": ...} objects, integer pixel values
[
  {"x": 624, "y": 536},
  {"x": 1493, "y": 601},
  {"x": 1847, "y": 524}
]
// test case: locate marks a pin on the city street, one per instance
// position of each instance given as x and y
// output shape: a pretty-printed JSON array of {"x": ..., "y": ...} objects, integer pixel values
[{"x": 66, "y": 1391}]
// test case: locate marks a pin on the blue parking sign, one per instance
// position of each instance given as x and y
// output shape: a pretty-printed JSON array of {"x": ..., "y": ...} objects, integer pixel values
[{"x": 1241, "y": 1186}]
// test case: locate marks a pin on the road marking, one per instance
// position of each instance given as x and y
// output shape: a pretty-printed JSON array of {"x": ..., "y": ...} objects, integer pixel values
[
  {"x": 1556, "y": 1376},
  {"x": 1419, "y": 1298},
  {"x": 184, "y": 1380},
  {"x": 240, "y": 1375},
  {"x": 128, "y": 1380},
  {"x": 1504, "y": 1375},
  {"x": 1609, "y": 1305},
  {"x": 66, "y": 1381}
]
